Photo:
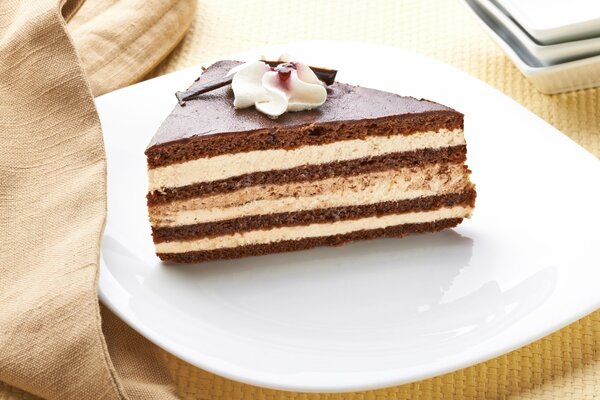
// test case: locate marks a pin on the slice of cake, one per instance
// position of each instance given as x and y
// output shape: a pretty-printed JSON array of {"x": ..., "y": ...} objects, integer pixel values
[{"x": 228, "y": 182}]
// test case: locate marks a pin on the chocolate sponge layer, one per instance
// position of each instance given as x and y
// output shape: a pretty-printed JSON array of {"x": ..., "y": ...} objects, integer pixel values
[
  {"x": 292, "y": 138},
  {"x": 455, "y": 154},
  {"x": 303, "y": 244},
  {"x": 267, "y": 221}
]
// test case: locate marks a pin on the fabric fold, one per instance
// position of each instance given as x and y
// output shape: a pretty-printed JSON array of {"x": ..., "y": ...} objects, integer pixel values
[
  {"x": 120, "y": 41},
  {"x": 54, "y": 340}
]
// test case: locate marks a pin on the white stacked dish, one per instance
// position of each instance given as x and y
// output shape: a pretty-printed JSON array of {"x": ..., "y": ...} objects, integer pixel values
[{"x": 555, "y": 44}]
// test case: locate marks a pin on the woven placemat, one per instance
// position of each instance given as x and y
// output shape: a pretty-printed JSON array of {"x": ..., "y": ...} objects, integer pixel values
[{"x": 564, "y": 365}]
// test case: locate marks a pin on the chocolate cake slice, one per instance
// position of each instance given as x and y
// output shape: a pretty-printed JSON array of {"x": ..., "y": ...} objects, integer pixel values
[{"x": 226, "y": 182}]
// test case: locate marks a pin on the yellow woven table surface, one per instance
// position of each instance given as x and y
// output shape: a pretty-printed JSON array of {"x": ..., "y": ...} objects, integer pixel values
[{"x": 563, "y": 365}]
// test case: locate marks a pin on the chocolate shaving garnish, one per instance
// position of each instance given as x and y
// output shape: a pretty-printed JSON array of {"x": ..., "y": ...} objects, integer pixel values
[
  {"x": 191, "y": 94},
  {"x": 327, "y": 76}
]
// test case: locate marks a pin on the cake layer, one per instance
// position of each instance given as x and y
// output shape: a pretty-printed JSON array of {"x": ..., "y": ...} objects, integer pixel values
[
  {"x": 231, "y": 165},
  {"x": 397, "y": 231},
  {"x": 287, "y": 233},
  {"x": 455, "y": 154},
  {"x": 306, "y": 217},
  {"x": 308, "y": 243},
  {"x": 369, "y": 188},
  {"x": 209, "y": 125}
]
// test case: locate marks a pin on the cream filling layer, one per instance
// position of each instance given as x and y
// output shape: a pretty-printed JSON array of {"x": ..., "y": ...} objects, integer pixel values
[
  {"x": 371, "y": 188},
  {"x": 311, "y": 231},
  {"x": 230, "y": 165}
]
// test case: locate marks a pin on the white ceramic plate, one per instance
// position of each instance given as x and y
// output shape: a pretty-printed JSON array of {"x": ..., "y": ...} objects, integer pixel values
[
  {"x": 564, "y": 77},
  {"x": 555, "y": 21},
  {"x": 546, "y": 54},
  {"x": 377, "y": 313}
]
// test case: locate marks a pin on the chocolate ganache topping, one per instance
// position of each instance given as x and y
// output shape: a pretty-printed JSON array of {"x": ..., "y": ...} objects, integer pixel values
[{"x": 212, "y": 113}]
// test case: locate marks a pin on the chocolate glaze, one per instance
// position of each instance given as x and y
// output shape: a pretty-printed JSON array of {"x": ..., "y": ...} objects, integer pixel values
[{"x": 213, "y": 113}]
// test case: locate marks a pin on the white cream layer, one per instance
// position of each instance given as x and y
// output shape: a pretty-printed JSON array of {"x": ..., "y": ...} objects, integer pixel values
[
  {"x": 371, "y": 188},
  {"x": 230, "y": 165},
  {"x": 310, "y": 231}
]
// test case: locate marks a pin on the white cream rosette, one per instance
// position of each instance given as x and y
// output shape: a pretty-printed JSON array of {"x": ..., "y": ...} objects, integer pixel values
[{"x": 276, "y": 90}]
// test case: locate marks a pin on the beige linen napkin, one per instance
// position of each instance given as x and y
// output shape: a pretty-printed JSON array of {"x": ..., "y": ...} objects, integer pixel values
[{"x": 55, "y": 341}]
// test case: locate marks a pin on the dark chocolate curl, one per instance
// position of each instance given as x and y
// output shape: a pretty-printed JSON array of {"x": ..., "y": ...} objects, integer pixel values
[{"x": 327, "y": 76}]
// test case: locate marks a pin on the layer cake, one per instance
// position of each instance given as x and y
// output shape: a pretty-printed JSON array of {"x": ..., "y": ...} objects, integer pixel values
[{"x": 226, "y": 182}]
